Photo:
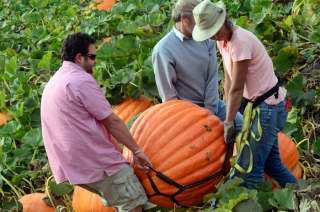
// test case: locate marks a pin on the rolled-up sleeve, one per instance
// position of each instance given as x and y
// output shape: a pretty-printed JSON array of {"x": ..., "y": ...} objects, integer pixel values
[{"x": 165, "y": 75}]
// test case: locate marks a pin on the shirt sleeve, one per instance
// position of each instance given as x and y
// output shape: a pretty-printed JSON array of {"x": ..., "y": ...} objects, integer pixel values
[
  {"x": 93, "y": 100},
  {"x": 241, "y": 50},
  {"x": 211, "y": 89},
  {"x": 165, "y": 75}
]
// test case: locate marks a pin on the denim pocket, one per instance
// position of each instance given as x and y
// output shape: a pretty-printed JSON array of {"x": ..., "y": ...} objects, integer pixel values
[
  {"x": 265, "y": 115},
  {"x": 282, "y": 116}
]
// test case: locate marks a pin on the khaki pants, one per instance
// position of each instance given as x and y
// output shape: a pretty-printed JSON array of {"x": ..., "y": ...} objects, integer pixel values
[{"x": 121, "y": 190}]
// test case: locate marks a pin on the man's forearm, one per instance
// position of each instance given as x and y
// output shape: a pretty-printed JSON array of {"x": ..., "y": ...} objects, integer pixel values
[{"x": 121, "y": 133}]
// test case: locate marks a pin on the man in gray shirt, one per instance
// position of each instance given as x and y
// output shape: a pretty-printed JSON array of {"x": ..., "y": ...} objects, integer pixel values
[{"x": 186, "y": 69}]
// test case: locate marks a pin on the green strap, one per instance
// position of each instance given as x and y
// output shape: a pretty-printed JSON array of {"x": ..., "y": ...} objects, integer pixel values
[
  {"x": 257, "y": 138},
  {"x": 242, "y": 138}
]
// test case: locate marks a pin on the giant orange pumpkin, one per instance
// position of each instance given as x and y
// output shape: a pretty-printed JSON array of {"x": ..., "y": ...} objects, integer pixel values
[
  {"x": 4, "y": 118},
  {"x": 105, "y": 4},
  {"x": 184, "y": 142},
  {"x": 86, "y": 201},
  {"x": 34, "y": 203},
  {"x": 131, "y": 107}
]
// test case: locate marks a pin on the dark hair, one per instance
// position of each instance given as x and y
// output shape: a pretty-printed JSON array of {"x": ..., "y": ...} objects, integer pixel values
[
  {"x": 76, "y": 43},
  {"x": 228, "y": 23}
]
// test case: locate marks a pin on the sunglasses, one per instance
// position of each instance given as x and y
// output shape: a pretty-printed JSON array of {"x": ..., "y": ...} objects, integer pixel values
[{"x": 92, "y": 56}]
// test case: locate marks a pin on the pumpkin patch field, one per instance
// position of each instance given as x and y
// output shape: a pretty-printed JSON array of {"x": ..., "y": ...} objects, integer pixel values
[{"x": 183, "y": 141}]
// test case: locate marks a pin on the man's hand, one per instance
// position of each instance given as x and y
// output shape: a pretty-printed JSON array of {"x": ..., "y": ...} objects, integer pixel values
[
  {"x": 229, "y": 132},
  {"x": 141, "y": 160}
]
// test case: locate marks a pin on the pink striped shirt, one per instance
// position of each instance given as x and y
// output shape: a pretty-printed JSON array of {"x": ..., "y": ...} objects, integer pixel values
[{"x": 78, "y": 146}]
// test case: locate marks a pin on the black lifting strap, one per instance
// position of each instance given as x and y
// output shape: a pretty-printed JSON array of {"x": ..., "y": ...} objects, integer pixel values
[{"x": 181, "y": 188}]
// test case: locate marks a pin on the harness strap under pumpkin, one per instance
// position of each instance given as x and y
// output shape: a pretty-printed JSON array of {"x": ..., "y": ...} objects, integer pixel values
[{"x": 181, "y": 188}]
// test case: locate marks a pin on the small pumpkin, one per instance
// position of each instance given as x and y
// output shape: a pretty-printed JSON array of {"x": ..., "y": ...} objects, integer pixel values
[
  {"x": 34, "y": 203},
  {"x": 288, "y": 151},
  {"x": 131, "y": 107},
  {"x": 4, "y": 118},
  {"x": 105, "y": 4},
  {"x": 86, "y": 201},
  {"x": 184, "y": 142}
]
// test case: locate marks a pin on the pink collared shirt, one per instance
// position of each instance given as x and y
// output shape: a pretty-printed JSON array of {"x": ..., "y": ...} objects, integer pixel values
[
  {"x": 78, "y": 146},
  {"x": 260, "y": 77}
]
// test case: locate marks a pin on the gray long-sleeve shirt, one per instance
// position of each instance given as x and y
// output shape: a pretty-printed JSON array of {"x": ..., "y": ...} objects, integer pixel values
[{"x": 186, "y": 69}]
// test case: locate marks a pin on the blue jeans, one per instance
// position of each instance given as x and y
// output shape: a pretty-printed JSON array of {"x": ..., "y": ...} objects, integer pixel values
[{"x": 266, "y": 156}]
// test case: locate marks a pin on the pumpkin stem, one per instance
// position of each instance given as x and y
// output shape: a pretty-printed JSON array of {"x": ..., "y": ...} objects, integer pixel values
[{"x": 47, "y": 190}]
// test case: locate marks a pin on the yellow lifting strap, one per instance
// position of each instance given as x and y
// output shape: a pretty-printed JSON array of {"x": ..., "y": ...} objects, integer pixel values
[{"x": 242, "y": 139}]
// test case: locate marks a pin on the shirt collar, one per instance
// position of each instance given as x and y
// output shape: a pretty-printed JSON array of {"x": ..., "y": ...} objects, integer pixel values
[
  {"x": 179, "y": 34},
  {"x": 69, "y": 64}
]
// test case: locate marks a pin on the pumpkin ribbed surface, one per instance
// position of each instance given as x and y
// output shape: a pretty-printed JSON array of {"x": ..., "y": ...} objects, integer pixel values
[
  {"x": 34, "y": 203},
  {"x": 184, "y": 142},
  {"x": 131, "y": 107},
  {"x": 86, "y": 201}
]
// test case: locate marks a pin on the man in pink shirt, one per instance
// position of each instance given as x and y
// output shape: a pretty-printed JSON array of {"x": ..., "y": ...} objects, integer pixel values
[
  {"x": 249, "y": 74},
  {"x": 77, "y": 124}
]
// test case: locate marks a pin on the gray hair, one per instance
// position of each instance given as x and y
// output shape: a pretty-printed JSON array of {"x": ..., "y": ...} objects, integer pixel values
[{"x": 183, "y": 8}]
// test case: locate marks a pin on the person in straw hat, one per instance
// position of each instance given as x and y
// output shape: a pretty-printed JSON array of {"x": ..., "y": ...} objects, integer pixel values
[
  {"x": 186, "y": 69},
  {"x": 249, "y": 73}
]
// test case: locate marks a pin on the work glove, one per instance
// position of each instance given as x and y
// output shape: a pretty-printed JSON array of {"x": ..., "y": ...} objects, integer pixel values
[{"x": 229, "y": 132}]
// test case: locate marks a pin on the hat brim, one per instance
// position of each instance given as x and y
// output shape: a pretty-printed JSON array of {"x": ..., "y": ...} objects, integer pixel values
[{"x": 204, "y": 34}]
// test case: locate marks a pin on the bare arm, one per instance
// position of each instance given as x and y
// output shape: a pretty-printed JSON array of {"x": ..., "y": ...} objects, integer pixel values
[
  {"x": 119, "y": 130},
  {"x": 239, "y": 72},
  {"x": 227, "y": 83}
]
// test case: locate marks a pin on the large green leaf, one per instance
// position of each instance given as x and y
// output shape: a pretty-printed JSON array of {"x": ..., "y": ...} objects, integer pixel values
[
  {"x": 282, "y": 199},
  {"x": 45, "y": 61},
  {"x": 259, "y": 9},
  {"x": 9, "y": 129},
  {"x": 285, "y": 59},
  {"x": 60, "y": 189},
  {"x": 33, "y": 137}
]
